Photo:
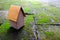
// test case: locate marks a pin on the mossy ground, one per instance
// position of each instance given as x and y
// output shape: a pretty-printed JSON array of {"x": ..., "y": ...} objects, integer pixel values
[{"x": 42, "y": 12}]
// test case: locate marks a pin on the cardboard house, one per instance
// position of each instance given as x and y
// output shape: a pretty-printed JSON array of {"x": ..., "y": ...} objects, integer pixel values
[{"x": 16, "y": 16}]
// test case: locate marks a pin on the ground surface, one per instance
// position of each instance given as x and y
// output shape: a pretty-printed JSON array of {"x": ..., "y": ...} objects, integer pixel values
[{"x": 46, "y": 13}]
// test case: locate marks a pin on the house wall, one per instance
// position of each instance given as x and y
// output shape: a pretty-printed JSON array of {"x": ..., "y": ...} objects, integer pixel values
[
  {"x": 20, "y": 21},
  {"x": 13, "y": 24}
]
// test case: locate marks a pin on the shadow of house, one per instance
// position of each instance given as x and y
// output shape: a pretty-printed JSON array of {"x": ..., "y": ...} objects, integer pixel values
[
  {"x": 1, "y": 24},
  {"x": 13, "y": 34}
]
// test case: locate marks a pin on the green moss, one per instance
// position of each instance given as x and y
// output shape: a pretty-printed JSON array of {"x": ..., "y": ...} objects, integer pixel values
[
  {"x": 49, "y": 34},
  {"x": 4, "y": 27}
]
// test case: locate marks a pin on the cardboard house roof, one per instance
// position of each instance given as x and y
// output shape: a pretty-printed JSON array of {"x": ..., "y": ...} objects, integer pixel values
[{"x": 14, "y": 12}]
